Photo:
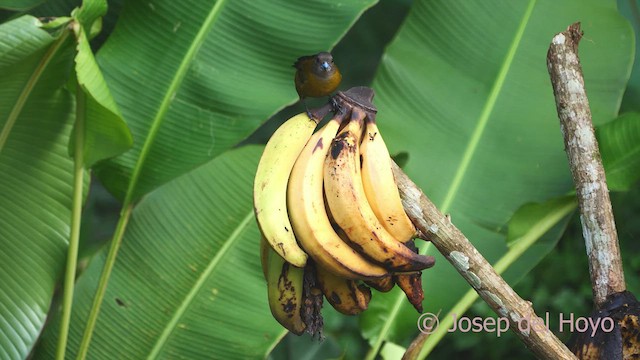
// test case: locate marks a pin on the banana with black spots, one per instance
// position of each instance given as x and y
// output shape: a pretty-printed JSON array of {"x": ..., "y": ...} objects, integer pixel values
[
  {"x": 351, "y": 210},
  {"x": 345, "y": 295},
  {"x": 309, "y": 217},
  {"x": 380, "y": 185},
  {"x": 411, "y": 285},
  {"x": 285, "y": 291}
]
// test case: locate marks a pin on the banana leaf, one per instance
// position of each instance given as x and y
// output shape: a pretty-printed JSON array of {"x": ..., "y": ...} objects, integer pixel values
[
  {"x": 36, "y": 114},
  {"x": 619, "y": 143},
  {"x": 464, "y": 89},
  {"x": 188, "y": 282},
  {"x": 37, "y": 67},
  {"x": 194, "y": 78},
  {"x": 19, "y": 4},
  {"x": 631, "y": 99}
]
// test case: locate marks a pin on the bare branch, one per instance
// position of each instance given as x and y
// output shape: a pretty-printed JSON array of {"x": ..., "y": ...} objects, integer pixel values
[
  {"x": 475, "y": 269},
  {"x": 598, "y": 226}
]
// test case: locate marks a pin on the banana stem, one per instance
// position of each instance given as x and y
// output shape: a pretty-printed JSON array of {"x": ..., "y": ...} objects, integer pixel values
[
  {"x": 475, "y": 269},
  {"x": 74, "y": 238}
]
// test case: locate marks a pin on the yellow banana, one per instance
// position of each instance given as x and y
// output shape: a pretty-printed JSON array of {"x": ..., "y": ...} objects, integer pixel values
[
  {"x": 285, "y": 292},
  {"x": 380, "y": 185},
  {"x": 309, "y": 217},
  {"x": 344, "y": 295},
  {"x": 270, "y": 186},
  {"x": 350, "y": 207}
]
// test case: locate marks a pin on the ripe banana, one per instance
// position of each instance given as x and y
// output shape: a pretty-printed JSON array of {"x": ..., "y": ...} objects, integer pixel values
[
  {"x": 384, "y": 284},
  {"x": 270, "y": 186},
  {"x": 350, "y": 207},
  {"x": 344, "y": 295},
  {"x": 285, "y": 290},
  {"x": 309, "y": 216},
  {"x": 335, "y": 199},
  {"x": 380, "y": 185},
  {"x": 411, "y": 284}
]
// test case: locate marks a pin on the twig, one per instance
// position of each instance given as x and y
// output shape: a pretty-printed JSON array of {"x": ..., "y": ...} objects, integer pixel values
[
  {"x": 598, "y": 226},
  {"x": 474, "y": 268}
]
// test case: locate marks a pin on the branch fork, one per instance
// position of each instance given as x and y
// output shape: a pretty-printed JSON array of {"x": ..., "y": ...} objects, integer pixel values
[{"x": 598, "y": 225}]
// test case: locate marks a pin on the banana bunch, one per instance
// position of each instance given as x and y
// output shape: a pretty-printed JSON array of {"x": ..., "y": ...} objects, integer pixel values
[{"x": 331, "y": 219}]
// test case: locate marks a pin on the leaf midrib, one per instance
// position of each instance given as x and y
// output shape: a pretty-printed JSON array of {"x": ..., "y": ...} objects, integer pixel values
[
  {"x": 486, "y": 111},
  {"x": 206, "y": 274},
  {"x": 467, "y": 156},
  {"x": 176, "y": 82},
  {"x": 29, "y": 86}
]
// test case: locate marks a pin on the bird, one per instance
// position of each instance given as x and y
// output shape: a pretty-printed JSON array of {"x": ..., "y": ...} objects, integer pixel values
[{"x": 316, "y": 76}]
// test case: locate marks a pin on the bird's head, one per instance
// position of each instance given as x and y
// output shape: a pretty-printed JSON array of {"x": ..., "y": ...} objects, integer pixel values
[{"x": 324, "y": 64}]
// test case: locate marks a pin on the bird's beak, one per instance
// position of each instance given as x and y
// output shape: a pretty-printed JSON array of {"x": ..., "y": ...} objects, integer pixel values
[{"x": 325, "y": 66}]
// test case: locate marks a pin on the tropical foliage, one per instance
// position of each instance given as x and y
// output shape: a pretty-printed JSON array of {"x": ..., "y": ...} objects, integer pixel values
[{"x": 166, "y": 104}]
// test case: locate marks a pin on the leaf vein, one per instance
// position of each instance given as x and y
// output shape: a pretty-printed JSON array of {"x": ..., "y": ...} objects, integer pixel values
[
  {"x": 179, "y": 76},
  {"x": 206, "y": 274},
  {"x": 486, "y": 111}
]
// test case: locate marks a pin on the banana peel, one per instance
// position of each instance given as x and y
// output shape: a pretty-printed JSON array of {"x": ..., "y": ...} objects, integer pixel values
[{"x": 622, "y": 343}]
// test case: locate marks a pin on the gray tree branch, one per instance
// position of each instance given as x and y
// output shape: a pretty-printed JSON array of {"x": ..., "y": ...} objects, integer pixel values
[
  {"x": 476, "y": 270},
  {"x": 581, "y": 146}
]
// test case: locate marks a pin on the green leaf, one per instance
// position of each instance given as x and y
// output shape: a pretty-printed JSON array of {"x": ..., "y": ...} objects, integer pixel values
[
  {"x": 307, "y": 348},
  {"x": 631, "y": 99},
  {"x": 55, "y": 8},
  {"x": 392, "y": 351},
  {"x": 188, "y": 281},
  {"x": 368, "y": 38},
  {"x": 401, "y": 158},
  {"x": 194, "y": 78},
  {"x": 36, "y": 114},
  {"x": 90, "y": 11},
  {"x": 528, "y": 216},
  {"x": 103, "y": 24},
  {"x": 619, "y": 142},
  {"x": 56, "y": 24},
  {"x": 465, "y": 90},
  {"x": 21, "y": 38},
  {"x": 19, "y": 4},
  {"x": 534, "y": 231},
  {"x": 106, "y": 133}
]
